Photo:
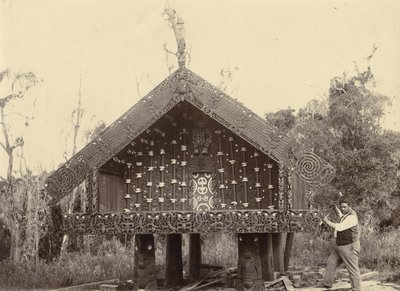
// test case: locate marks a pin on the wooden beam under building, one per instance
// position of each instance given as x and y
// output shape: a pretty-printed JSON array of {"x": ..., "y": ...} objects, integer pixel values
[
  {"x": 278, "y": 252},
  {"x": 266, "y": 256},
  {"x": 194, "y": 255},
  {"x": 173, "y": 261},
  {"x": 288, "y": 250}
]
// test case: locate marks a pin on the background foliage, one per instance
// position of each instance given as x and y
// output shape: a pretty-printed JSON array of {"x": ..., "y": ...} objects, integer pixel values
[{"x": 345, "y": 130}]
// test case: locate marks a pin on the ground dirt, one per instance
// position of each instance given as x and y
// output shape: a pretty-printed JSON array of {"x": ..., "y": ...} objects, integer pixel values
[{"x": 311, "y": 277}]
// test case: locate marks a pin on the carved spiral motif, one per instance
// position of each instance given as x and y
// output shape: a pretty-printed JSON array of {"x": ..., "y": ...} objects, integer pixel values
[
  {"x": 309, "y": 166},
  {"x": 327, "y": 174},
  {"x": 66, "y": 178},
  {"x": 313, "y": 170}
]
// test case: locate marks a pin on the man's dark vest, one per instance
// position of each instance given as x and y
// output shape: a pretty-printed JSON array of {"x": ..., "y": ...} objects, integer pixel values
[{"x": 347, "y": 236}]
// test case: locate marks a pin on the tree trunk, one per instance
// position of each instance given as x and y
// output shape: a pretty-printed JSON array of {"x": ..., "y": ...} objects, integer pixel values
[
  {"x": 15, "y": 247},
  {"x": 67, "y": 239},
  {"x": 10, "y": 166},
  {"x": 28, "y": 243}
]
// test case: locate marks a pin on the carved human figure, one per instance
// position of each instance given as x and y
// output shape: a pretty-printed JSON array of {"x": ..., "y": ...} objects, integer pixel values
[
  {"x": 145, "y": 262},
  {"x": 201, "y": 140},
  {"x": 249, "y": 263}
]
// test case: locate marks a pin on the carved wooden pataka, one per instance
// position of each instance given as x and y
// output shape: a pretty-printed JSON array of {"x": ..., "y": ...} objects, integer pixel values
[{"x": 189, "y": 159}]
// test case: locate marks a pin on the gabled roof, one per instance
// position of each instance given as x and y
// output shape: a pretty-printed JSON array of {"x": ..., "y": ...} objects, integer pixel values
[{"x": 184, "y": 85}]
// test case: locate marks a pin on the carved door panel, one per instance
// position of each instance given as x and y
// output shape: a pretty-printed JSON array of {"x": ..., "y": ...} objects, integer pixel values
[{"x": 202, "y": 192}]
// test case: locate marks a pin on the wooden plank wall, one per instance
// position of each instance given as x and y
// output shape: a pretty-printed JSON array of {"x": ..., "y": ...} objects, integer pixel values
[
  {"x": 298, "y": 192},
  {"x": 110, "y": 192}
]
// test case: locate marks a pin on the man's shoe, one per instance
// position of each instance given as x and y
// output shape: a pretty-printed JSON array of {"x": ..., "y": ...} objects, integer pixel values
[{"x": 323, "y": 286}]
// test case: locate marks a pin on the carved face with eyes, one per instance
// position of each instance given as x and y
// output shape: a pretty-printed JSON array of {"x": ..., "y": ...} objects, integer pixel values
[
  {"x": 249, "y": 264},
  {"x": 145, "y": 261},
  {"x": 144, "y": 251}
]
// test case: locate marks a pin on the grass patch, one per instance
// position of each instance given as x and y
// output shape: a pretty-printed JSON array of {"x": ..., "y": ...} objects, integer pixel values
[
  {"x": 219, "y": 249},
  {"x": 113, "y": 260},
  {"x": 379, "y": 251}
]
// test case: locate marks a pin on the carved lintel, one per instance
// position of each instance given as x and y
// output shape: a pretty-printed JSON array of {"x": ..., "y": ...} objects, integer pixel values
[{"x": 164, "y": 222}]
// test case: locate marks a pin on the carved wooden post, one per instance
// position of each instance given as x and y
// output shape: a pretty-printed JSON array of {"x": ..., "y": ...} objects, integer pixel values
[
  {"x": 278, "y": 252},
  {"x": 288, "y": 250},
  {"x": 194, "y": 255},
  {"x": 266, "y": 256},
  {"x": 249, "y": 263},
  {"x": 145, "y": 262},
  {"x": 173, "y": 262}
]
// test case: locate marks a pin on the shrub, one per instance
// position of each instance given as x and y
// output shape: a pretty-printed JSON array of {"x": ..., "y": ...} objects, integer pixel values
[
  {"x": 220, "y": 249},
  {"x": 309, "y": 250},
  {"x": 379, "y": 251},
  {"x": 113, "y": 261}
]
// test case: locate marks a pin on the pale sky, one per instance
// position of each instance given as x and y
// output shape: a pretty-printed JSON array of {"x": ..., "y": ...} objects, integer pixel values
[{"x": 286, "y": 53}]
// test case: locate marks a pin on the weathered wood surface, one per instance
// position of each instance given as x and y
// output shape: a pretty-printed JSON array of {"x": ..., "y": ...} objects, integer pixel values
[
  {"x": 173, "y": 262},
  {"x": 249, "y": 272},
  {"x": 288, "y": 250},
  {"x": 267, "y": 256},
  {"x": 278, "y": 252},
  {"x": 165, "y": 222},
  {"x": 145, "y": 262},
  {"x": 194, "y": 255}
]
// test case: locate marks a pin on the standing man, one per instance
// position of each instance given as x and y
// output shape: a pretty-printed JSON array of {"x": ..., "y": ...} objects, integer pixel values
[{"x": 346, "y": 248}]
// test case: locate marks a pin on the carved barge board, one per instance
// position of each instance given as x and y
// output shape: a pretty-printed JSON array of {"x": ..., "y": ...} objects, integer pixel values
[{"x": 157, "y": 222}]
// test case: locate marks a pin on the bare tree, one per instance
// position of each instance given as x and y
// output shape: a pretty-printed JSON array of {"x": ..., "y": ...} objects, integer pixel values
[
  {"x": 19, "y": 84},
  {"x": 227, "y": 75},
  {"x": 76, "y": 120},
  {"x": 14, "y": 196},
  {"x": 36, "y": 213}
]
